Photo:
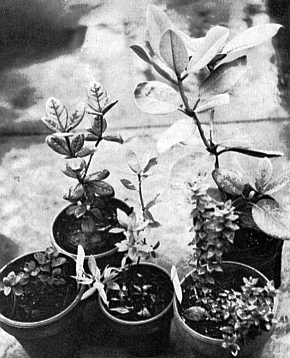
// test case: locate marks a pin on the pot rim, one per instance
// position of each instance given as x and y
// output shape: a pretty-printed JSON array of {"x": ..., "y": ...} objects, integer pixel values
[
  {"x": 208, "y": 339},
  {"x": 62, "y": 250},
  {"x": 46, "y": 321},
  {"x": 143, "y": 321}
]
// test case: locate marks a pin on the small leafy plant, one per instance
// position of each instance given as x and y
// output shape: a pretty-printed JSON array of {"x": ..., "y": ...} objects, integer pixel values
[
  {"x": 138, "y": 224},
  {"x": 88, "y": 194},
  {"x": 179, "y": 58},
  {"x": 42, "y": 274},
  {"x": 232, "y": 308}
]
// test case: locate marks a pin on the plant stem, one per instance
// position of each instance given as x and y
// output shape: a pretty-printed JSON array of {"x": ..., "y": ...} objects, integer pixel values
[{"x": 140, "y": 192}]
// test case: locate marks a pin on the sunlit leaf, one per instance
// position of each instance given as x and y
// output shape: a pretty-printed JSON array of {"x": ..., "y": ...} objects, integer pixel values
[
  {"x": 76, "y": 117},
  {"x": 142, "y": 53},
  {"x": 80, "y": 211},
  {"x": 101, "y": 188},
  {"x": 176, "y": 284},
  {"x": 251, "y": 37},
  {"x": 228, "y": 181},
  {"x": 272, "y": 218},
  {"x": 210, "y": 46},
  {"x": 75, "y": 164},
  {"x": 97, "y": 97},
  {"x": 195, "y": 313},
  {"x": 58, "y": 144},
  {"x": 85, "y": 151},
  {"x": 263, "y": 175},
  {"x": 77, "y": 142},
  {"x": 156, "y": 97},
  {"x": 207, "y": 104},
  {"x": 279, "y": 183},
  {"x": 100, "y": 175},
  {"x": 163, "y": 70},
  {"x": 189, "y": 166},
  {"x": 56, "y": 110},
  {"x": 133, "y": 162},
  {"x": 121, "y": 310},
  {"x": 157, "y": 22},
  {"x": 51, "y": 124},
  {"x": 177, "y": 133},
  {"x": 173, "y": 51},
  {"x": 223, "y": 78}
]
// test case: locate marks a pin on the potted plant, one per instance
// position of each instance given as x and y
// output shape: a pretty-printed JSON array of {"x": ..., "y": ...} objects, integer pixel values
[
  {"x": 39, "y": 303},
  {"x": 220, "y": 64},
  {"x": 136, "y": 303},
  {"x": 224, "y": 308},
  {"x": 92, "y": 209}
]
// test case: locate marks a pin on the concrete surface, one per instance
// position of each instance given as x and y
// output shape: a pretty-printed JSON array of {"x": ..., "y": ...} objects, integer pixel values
[{"x": 31, "y": 181}]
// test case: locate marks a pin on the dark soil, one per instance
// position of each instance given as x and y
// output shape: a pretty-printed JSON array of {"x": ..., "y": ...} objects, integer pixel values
[
  {"x": 230, "y": 278},
  {"x": 147, "y": 292},
  {"x": 40, "y": 300},
  {"x": 256, "y": 249},
  {"x": 68, "y": 232}
]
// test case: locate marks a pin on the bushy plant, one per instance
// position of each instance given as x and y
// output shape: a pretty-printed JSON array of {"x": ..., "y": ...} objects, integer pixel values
[
  {"x": 178, "y": 58},
  {"x": 91, "y": 188},
  {"x": 238, "y": 314}
]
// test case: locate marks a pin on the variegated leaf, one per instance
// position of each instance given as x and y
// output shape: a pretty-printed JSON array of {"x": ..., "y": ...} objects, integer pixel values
[
  {"x": 263, "y": 174},
  {"x": 51, "y": 124},
  {"x": 156, "y": 97},
  {"x": 58, "y": 144},
  {"x": 272, "y": 218},
  {"x": 56, "y": 111},
  {"x": 76, "y": 117},
  {"x": 77, "y": 143},
  {"x": 228, "y": 181},
  {"x": 173, "y": 51},
  {"x": 279, "y": 183}
]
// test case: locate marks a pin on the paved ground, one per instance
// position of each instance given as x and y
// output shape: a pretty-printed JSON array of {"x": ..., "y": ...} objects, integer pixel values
[{"x": 31, "y": 182}]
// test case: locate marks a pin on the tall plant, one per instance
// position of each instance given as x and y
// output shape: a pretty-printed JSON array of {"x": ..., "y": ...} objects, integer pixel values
[{"x": 176, "y": 57}]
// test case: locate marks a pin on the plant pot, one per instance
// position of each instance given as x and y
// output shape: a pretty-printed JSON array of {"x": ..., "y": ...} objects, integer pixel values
[
  {"x": 66, "y": 234},
  {"x": 212, "y": 347},
  {"x": 258, "y": 250},
  {"x": 145, "y": 337},
  {"x": 50, "y": 337}
]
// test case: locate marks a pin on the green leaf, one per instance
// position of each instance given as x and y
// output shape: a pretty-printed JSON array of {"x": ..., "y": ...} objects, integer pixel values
[
  {"x": 223, "y": 78},
  {"x": 114, "y": 138},
  {"x": 97, "y": 214},
  {"x": 88, "y": 225},
  {"x": 141, "y": 53},
  {"x": 157, "y": 22},
  {"x": 58, "y": 261},
  {"x": 263, "y": 175},
  {"x": 101, "y": 188},
  {"x": 99, "y": 125},
  {"x": 228, "y": 181},
  {"x": 212, "y": 43},
  {"x": 77, "y": 143},
  {"x": 84, "y": 152},
  {"x": 80, "y": 211},
  {"x": 76, "y": 117},
  {"x": 100, "y": 175},
  {"x": 163, "y": 70},
  {"x": 173, "y": 51},
  {"x": 56, "y": 111},
  {"x": 156, "y": 97},
  {"x": 133, "y": 162},
  {"x": 75, "y": 193},
  {"x": 71, "y": 210},
  {"x": 76, "y": 165},
  {"x": 251, "y": 37},
  {"x": 178, "y": 132},
  {"x": 195, "y": 313},
  {"x": 152, "y": 162},
  {"x": 58, "y": 144},
  {"x": 127, "y": 184},
  {"x": 51, "y": 124},
  {"x": 280, "y": 182},
  {"x": 109, "y": 106},
  {"x": 209, "y": 103},
  {"x": 272, "y": 218},
  {"x": 97, "y": 98}
]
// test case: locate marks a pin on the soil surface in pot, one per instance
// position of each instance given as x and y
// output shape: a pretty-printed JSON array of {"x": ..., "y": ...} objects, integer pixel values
[
  {"x": 40, "y": 300},
  {"x": 68, "y": 230},
  {"x": 145, "y": 292},
  {"x": 230, "y": 278}
]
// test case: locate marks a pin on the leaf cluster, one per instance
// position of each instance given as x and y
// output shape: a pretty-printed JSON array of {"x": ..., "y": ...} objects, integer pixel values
[
  {"x": 45, "y": 267},
  {"x": 78, "y": 153}
]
